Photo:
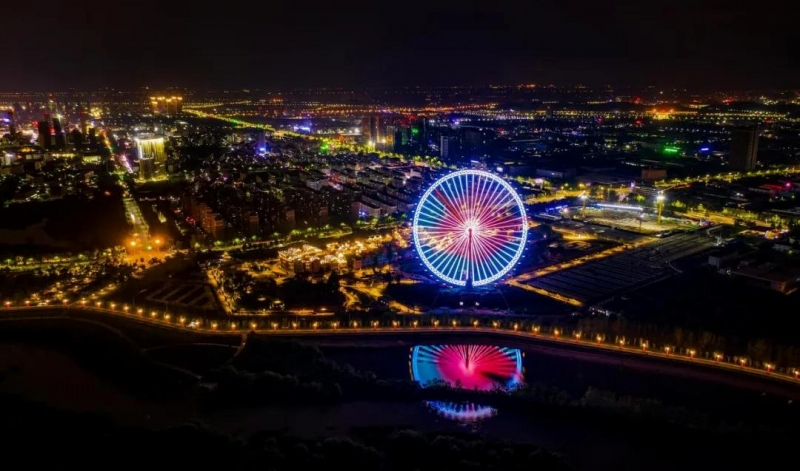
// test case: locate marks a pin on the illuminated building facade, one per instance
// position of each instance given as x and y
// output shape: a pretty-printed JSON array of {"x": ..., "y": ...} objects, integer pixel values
[
  {"x": 152, "y": 148},
  {"x": 152, "y": 156}
]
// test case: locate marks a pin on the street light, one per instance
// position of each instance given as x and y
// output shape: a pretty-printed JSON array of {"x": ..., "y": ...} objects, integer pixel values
[
  {"x": 660, "y": 205},
  {"x": 583, "y": 198}
]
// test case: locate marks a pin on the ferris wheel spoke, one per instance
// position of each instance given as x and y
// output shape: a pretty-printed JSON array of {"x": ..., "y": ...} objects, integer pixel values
[
  {"x": 500, "y": 250},
  {"x": 441, "y": 214},
  {"x": 490, "y": 260},
  {"x": 448, "y": 255},
  {"x": 486, "y": 193},
  {"x": 492, "y": 204},
  {"x": 470, "y": 227}
]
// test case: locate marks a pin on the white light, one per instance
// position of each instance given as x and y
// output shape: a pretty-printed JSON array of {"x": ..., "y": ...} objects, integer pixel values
[{"x": 523, "y": 237}]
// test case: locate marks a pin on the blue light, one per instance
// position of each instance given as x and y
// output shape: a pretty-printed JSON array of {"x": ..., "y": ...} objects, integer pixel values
[
  {"x": 459, "y": 206},
  {"x": 705, "y": 149}
]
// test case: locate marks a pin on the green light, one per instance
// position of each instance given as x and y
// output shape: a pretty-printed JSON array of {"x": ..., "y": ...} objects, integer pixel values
[
  {"x": 671, "y": 150},
  {"x": 415, "y": 131}
]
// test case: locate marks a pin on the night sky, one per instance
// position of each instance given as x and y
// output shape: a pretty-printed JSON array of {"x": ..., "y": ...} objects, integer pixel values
[{"x": 277, "y": 44}]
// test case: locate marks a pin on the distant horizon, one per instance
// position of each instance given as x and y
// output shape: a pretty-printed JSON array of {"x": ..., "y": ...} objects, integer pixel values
[{"x": 531, "y": 85}]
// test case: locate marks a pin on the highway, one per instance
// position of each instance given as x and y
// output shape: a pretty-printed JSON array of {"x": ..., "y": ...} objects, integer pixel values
[{"x": 394, "y": 329}]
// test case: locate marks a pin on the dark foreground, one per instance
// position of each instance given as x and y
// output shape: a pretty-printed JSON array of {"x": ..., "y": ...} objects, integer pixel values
[{"x": 135, "y": 393}]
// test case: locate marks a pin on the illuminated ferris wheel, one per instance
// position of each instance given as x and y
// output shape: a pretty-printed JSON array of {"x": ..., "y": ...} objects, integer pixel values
[{"x": 470, "y": 228}]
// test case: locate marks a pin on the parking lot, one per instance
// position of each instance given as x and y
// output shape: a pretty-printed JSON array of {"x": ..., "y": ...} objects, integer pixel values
[{"x": 600, "y": 279}]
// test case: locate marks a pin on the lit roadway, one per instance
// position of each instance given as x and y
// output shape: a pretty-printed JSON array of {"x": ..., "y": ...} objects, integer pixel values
[
  {"x": 729, "y": 177},
  {"x": 333, "y": 329},
  {"x": 141, "y": 231}
]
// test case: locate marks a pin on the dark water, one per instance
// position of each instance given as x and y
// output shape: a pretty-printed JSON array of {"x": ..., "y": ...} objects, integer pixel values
[
  {"x": 596, "y": 443},
  {"x": 726, "y": 396}
]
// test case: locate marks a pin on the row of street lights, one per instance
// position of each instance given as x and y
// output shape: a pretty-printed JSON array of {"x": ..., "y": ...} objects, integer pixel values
[{"x": 556, "y": 334}]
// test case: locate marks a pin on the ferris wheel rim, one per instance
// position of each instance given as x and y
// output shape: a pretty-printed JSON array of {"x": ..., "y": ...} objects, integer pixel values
[{"x": 508, "y": 191}]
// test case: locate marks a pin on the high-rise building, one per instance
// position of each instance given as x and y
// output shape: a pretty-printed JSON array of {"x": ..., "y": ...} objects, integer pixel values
[
  {"x": 366, "y": 130},
  {"x": 58, "y": 133},
  {"x": 375, "y": 130},
  {"x": 152, "y": 148},
  {"x": 447, "y": 147},
  {"x": 744, "y": 148},
  {"x": 261, "y": 142},
  {"x": 84, "y": 121},
  {"x": 146, "y": 168},
  {"x": 92, "y": 135},
  {"x": 43, "y": 127},
  {"x": 12, "y": 124}
]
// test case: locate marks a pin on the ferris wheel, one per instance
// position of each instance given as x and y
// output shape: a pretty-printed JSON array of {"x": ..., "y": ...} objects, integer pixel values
[{"x": 470, "y": 228}]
